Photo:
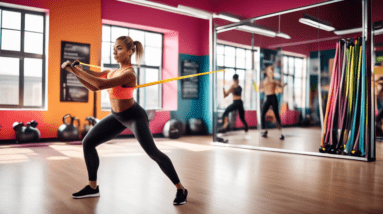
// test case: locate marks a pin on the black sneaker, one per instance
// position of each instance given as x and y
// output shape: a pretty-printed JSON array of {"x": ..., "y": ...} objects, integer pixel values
[
  {"x": 282, "y": 137},
  {"x": 87, "y": 192},
  {"x": 180, "y": 197},
  {"x": 264, "y": 134}
]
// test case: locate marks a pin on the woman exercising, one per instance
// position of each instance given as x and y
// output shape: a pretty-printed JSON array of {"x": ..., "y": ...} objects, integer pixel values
[
  {"x": 236, "y": 105},
  {"x": 269, "y": 85},
  {"x": 126, "y": 113}
]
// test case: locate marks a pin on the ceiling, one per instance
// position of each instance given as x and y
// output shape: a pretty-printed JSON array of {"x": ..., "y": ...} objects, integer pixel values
[{"x": 342, "y": 15}]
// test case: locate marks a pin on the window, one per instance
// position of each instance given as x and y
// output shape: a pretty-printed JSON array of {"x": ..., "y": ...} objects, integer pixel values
[
  {"x": 236, "y": 61},
  {"x": 22, "y": 58},
  {"x": 149, "y": 71},
  {"x": 293, "y": 76}
]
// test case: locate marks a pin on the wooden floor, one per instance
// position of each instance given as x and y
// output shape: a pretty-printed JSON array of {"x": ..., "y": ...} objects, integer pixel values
[
  {"x": 41, "y": 179},
  {"x": 296, "y": 139}
]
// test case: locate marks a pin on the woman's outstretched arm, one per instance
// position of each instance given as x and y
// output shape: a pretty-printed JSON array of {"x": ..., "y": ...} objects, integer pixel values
[{"x": 127, "y": 78}]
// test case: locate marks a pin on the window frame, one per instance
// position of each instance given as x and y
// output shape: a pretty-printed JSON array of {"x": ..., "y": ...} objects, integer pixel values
[
  {"x": 22, "y": 55},
  {"x": 287, "y": 74},
  {"x": 235, "y": 68},
  {"x": 138, "y": 68}
]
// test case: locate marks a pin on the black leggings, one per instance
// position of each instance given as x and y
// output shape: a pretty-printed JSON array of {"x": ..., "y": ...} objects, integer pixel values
[
  {"x": 271, "y": 100},
  {"x": 236, "y": 105},
  {"x": 135, "y": 119}
]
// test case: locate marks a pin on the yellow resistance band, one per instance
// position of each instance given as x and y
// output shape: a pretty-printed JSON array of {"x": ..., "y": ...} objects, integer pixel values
[
  {"x": 255, "y": 86},
  {"x": 90, "y": 65},
  {"x": 175, "y": 78},
  {"x": 165, "y": 80}
]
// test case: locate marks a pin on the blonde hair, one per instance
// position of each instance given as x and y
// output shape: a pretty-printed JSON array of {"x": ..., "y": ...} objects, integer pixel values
[{"x": 135, "y": 46}]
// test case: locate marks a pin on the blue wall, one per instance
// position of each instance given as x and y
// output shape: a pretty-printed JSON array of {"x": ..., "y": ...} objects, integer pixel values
[{"x": 200, "y": 108}]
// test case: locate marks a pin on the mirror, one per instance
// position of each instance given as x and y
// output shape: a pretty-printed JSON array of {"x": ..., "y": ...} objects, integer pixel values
[{"x": 296, "y": 64}]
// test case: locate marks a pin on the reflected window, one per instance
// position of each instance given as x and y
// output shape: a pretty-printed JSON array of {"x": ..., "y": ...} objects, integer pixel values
[
  {"x": 293, "y": 76},
  {"x": 239, "y": 61},
  {"x": 150, "y": 69},
  {"x": 22, "y": 58}
]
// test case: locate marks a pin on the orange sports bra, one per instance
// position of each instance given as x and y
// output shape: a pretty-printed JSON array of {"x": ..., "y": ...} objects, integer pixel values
[{"x": 119, "y": 92}]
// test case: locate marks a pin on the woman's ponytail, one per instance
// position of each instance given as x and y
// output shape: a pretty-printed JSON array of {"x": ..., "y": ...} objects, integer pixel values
[{"x": 139, "y": 51}]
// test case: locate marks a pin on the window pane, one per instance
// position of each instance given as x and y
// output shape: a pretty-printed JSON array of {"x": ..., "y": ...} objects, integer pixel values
[
  {"x": 119, "y": 31},
  {"x": 298, "y": 67},
  {"x": 298, "y": 91},
  {"x": 106, "y": 52},
  {"x": 112, "y": 56},
  {"x": 137, "y": 35},
  {"x": 229, "y": 51},
  {"x": 291, "y": 92},
  {"x": 248, "y": 59},
  {"x": 34, "y": 23},
  {"x": 241, "y": 78},
  {"x": 152, "y": 56},
  {"x": 153, "y": 40},
  {"x": 220, "y": 60},
  {"x": 291, "y": 65},
  {"x": 285, "y": 64},
  {"x": 9, "y": 80},
  {"x": 219, "y": 87},
  {"x": 149, "y": 96},
  {"x": 229, "y": 61},
  {"x": 220, "y": 49},
  {"x": 11, "y": 20},
  {"x": 240, "y": 63},
  {"x": 33, "y": 43},
  {"x": 33, "y": 69},
  {"x": 106, "y": 33},
  {"x": 241, "y": 53},
  {"x": 10, "y": 40},
  {"x": 248, "y": 88}
]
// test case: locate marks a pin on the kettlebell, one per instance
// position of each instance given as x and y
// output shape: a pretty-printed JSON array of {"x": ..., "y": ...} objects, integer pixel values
[
  {"x": 68, "y": 131},
  {"x": 28, "y": 133},
  {"x": 89, "y": 123}
]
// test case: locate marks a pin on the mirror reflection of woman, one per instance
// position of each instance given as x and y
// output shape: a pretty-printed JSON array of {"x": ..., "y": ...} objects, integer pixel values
[
  {"x": 237, "y": 104},
  {"x": 269, "y": 86}
]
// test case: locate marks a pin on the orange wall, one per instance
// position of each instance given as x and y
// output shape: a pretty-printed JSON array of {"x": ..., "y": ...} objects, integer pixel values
[
  {"x": 75, "y": 21},
  {"x": 80, "y": 22}
]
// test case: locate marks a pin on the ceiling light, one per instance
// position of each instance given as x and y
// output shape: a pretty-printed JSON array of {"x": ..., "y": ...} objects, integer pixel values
[
  {"x": 194, "y": 11},
  {"x": 283, "y": 35},
  {"x": 279, "y": 34},
  {"x": 348, "y": 31},
  {"x": 315, "y": 22},
  {"x": 378, "y": 32},
  {"x": 226, "y": 29},
  {"x": 256, "y": 30},
  {"x": 227, "y": 17}
]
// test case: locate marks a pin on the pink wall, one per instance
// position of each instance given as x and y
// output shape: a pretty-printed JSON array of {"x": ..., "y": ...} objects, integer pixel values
[{"x": 193, "y": 36}]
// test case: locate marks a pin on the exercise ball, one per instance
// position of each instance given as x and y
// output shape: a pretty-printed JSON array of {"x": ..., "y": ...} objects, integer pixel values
[
  {"x": 196, "y": 126},
  {"x": 173, "y": 129}
]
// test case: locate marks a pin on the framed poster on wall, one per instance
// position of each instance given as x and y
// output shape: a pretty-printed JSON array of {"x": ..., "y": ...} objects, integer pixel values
[
  {"x": 71, "y": 90},
  {"x": 189, "y": 86}
]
